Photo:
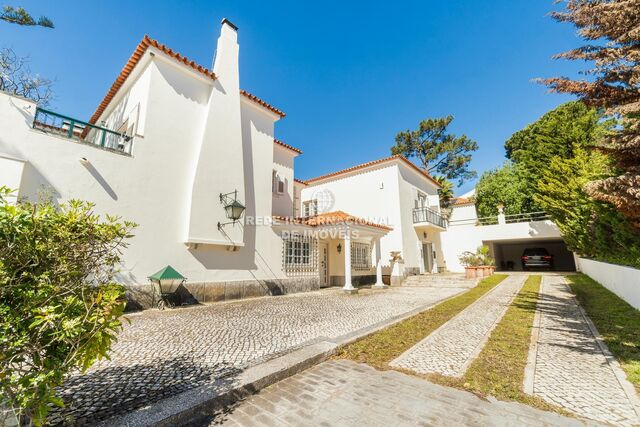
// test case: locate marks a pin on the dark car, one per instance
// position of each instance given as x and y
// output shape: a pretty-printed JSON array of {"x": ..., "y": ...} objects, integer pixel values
[{"x": 536, "y": 257}]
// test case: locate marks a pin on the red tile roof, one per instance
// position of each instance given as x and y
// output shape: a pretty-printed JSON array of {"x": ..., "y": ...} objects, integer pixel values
[
  {"x": 133, "y": 61},
  {"x": 263, "y": 103},
  {"x": 300, "y": 181},
  {"x": 459, "y": 201},
  {"x": 136, "y": 56},
  {"x": 333, "y": 218},
  {"x": 282, "y": 144},
  {"x": 373, "y": 163}
]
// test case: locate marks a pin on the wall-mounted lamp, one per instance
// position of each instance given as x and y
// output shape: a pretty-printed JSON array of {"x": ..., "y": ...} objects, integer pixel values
[
  {"x": 84, "y": 160},
  {"x": 339, "y": 248},
  {"x": 232, "y": 207}
]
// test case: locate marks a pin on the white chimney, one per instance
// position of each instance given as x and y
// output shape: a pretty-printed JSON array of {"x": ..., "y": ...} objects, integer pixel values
[{"x": 220, "y": 165}]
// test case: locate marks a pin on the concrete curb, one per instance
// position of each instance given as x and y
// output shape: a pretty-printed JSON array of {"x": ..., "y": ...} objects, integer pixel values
[{"x": 202, "y": 402}]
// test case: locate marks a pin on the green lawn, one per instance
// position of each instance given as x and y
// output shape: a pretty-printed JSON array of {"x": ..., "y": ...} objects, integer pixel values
[
  {"x": 617, "y": 322},
  {"x": 382, "y": 347}
]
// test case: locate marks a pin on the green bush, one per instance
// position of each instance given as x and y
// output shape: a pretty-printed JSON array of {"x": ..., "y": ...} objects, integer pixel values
[{"x": 59, "y": 306}]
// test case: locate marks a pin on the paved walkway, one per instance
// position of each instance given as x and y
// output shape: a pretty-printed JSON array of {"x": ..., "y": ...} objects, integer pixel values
[
  {"x": 343, "y": 393},
  {"x": 569, "y": 367},
  {"x": 450, "y": 349},
  {"x": 164, "y": 353}
]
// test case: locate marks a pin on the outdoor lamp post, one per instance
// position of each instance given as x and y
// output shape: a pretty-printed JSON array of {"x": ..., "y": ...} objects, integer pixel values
[
  {"x": 164, "y": 282},
  {"x": 232, "y": 208}
]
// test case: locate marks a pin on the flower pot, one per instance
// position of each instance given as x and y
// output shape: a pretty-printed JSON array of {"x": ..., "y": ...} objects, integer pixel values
[
  {"x": 486, "y": 271},
  {"x": 470, "y": 272}
]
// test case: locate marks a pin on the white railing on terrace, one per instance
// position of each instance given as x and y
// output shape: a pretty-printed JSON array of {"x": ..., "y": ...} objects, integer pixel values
[{"x": 508, "y": 219}]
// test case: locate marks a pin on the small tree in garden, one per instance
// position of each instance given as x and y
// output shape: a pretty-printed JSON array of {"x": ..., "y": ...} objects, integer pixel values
[
  {"x": 611, "y": 28},
  {"x": 59, "y": 306},
  {"x": 438, "y": 151}
]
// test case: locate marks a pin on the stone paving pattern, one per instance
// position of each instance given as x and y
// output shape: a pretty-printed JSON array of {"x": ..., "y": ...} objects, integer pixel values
[
  {"x": 344, "y": 393},
  {"x": 450, "y": 348},
  {"x": 164, "y": 353},
  {"x": 571, "y": 370}
]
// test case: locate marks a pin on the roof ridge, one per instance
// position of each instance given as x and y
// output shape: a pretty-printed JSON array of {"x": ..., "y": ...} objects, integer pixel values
[
  {"x": 277, "y": 141},
  {"x": 263, "y": 103},
  {"x": 133, "y": 60},
  {"x": 372, "y": 163}
]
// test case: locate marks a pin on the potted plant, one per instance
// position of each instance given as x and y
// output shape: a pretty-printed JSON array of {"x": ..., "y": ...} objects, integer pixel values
[
  {"x": 486, "y": 261},
  {"x": 470, "y": 261}
]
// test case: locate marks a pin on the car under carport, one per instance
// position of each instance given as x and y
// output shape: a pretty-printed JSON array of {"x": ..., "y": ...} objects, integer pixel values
[{"x": 508, "y": 253}]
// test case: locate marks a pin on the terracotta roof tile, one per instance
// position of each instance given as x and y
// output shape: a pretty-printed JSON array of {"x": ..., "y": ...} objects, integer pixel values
[
  {"x": 373, "y": 163},
  {"x": 282, "y": 144},
  {"x": 459, "y": 201},
  {"x": 263, "y": 103},
  {"x": 131, "y": 64},
  {"x": 300, "y": 181},
  {"x": 333, "y": 218},
  {"x": 137, "y": 55}
]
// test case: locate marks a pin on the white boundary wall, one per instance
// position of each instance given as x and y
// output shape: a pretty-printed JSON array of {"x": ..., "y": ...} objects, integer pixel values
[{"x": 622, "y": 281}]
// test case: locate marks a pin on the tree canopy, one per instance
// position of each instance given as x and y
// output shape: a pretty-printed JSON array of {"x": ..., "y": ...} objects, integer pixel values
[
  {"x": 439, "y": 152},
  {"x": 16, "y": 78},
  {"x": 20, "y": 16},
  {"x": 610, "y": 30}
]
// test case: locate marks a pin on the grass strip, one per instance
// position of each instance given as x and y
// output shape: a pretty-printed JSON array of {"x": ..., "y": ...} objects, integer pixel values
[
  {"x": 380, "y": 348},
  {"x": 616, "y": 320},
  {"x": 499, "y": 368}
]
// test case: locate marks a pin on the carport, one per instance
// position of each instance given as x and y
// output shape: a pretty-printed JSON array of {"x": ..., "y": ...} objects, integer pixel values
[{"x": 507, "y": 253}]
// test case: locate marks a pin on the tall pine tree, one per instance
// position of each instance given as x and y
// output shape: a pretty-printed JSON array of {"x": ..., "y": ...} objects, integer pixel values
[{"x": 612, "y": 31}]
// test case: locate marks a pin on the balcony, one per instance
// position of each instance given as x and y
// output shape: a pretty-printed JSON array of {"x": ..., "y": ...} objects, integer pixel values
[
  {"x": 426, "y": 215},
  {"x": 82, "y": 132}
]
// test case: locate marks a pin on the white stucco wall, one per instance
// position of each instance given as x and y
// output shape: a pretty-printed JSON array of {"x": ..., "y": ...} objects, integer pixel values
[
  {"x": 385, "y": 195},
  {"x": 153, "y": 186},
  {"x": 283, "y": 165},
  {"x": 622, "y": 281},
  {"x": 11, "y": 175}
]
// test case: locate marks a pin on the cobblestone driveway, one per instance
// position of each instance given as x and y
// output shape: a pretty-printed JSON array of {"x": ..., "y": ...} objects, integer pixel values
[
  {"x": 343, "y": 393},
  {"x": 450, "y": 349},
  {"x": 163, "y": 353},
  {"x": 570, "y": 368}
]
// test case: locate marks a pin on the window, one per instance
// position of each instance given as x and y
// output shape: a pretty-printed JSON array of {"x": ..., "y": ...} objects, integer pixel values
[
  {"x": 360, "y": 256},
  {"x": 277, "y": 183},
  {"x": 310, "y": 208},
  {"x": 421, "y": 200},
  {"x": 299, "y": 254}
]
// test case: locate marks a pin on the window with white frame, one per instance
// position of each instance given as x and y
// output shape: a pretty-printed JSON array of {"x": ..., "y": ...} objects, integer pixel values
[
  {"x": 360, "y": 256},
  {"x": 299, "y": 254},
  {"x": 421, "y": 200},
  {"x": 310, "y": 208},
  {"x": 277, "y": 183}
]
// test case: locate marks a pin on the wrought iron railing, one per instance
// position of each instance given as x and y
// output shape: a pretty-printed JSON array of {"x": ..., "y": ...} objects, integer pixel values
[
  {"x": 80, "y": 131},
  {"x": 428, "y": 215}
]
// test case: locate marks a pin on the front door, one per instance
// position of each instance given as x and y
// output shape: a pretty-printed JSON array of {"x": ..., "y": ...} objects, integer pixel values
[
  {"x": 324, "y": 265},
  {"x": 427, "y": 257}
]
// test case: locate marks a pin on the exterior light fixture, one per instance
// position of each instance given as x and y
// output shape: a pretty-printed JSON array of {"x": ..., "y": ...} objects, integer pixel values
[
  {"x": 339, "y": 248},
  {"x": 233, "y": 209},
  {"x": 165, "y": 283}
]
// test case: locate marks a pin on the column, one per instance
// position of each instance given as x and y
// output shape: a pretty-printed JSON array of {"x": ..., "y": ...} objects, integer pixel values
[
  {"x": 348, "y": 285},
  {"x": 378, "y": 257}
]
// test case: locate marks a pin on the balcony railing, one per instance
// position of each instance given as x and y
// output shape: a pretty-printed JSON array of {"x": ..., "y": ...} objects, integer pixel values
[
  {"x": 514, "y": 218},
  {"x": 80, "y": 131},
  {"x": 427, "y": 215}
]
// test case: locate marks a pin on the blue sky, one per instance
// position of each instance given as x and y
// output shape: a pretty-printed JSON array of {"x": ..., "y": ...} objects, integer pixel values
[{"x": 349, "y": 75}]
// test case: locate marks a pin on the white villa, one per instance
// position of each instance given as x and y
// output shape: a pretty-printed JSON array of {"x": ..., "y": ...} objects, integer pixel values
[{"x": 174, "y": 146}]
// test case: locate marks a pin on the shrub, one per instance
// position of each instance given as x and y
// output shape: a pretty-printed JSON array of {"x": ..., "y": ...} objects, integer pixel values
[{"x": 59, "y": 306}]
